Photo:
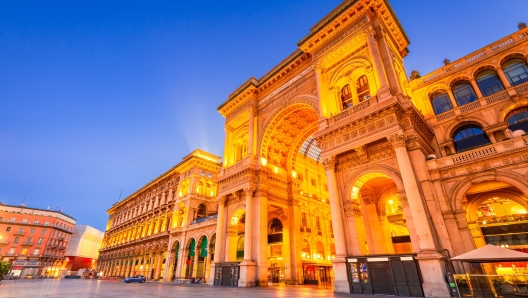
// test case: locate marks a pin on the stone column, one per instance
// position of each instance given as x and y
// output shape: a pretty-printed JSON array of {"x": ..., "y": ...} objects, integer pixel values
[
  {"x": 503, "y": 78},
  {"x": 149, "y": 205},
  {"x": 251, "y": 131},
  {"x": 376, "y": 59},
  {"x": 247, "y": 267},
  {"x": 207, "y": 264},
  {"x": 220, "y": 227},
  {"x": 158, "y": 267},
  {"x": 341, "y": 284},
  {"x": 409, "y": 221},
  {"x": 226, "y": 146},
  {"x": 476, "y": 88},
  {"x": 127, "y": 268},
  {"x": 231, "y": 244},
  {"x": 429, "y": 258},
  {"x": 386, "y": 57},
  {"x": 452, "y": 98},
  {"x": 195, "y": 261},
  {"x": 168, "y": 267},
  {"x": 261, "y": 237},
  {"x": 294, "y": 235},
  {"x": 150, "y": 263}
]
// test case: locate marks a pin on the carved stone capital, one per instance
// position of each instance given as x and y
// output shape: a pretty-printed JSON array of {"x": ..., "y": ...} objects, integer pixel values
[
  {"x": 222, "y": 200},
  {"x": 249, "y": 191},
  {"x": 397, "y": 139},
  {"x": 261, "y": 193},
  {"x": 329, "y": 163}
]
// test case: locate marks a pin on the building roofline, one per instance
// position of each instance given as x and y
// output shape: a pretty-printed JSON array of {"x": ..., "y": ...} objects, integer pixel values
[{"x": 39, "y": 209}]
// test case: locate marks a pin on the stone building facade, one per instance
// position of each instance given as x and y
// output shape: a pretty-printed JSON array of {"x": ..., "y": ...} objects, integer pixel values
[
  {"x": 165, "y": 228},
  {"x": 34, "y": 240},
  {"x": 339, "y": 169}
]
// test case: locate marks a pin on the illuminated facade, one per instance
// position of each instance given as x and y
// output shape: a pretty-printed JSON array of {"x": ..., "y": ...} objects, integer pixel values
[
  {"x": 166, "y": 228},
  {"x": 34, "y": 240},
  {"x": 338, "y": 169}
]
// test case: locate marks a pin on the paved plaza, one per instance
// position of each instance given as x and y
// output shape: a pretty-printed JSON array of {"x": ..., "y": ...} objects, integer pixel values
[{"x": 95, "y": 288}]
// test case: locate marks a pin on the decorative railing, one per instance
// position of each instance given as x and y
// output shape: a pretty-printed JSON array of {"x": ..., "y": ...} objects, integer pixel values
[
  {"x": 236, "y": 167},
  {"x": 19, "y": 233},
  {"x": 479, "y": 153},
  {"x": 482, "y": 102},
  {"x": 478, "y": 55},
  {"x": 27, "y": 243},
  {"x": 352, "y": 110}
]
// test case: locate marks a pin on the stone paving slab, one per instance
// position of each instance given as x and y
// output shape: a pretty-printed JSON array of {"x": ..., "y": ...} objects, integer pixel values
[{"x": 99, "y": 288}]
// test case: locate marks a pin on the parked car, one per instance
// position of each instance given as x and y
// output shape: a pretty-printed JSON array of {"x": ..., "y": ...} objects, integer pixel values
[{"x": 135, "y": 278}]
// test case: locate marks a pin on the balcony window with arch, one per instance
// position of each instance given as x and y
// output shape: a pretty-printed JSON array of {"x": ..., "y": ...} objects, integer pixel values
[
  {"x": 201, "y": 212},
  {"x": 362, "y": 88},
  {"x": 346, "y": 97},
  {"x": 468, "y": 137},
  {"x": 518, "y": 119},
  {"x": 516, "y": 71},
  {"x": 488, "y": 82},
  {"x": 441, "y": 102},
  {"x": 463, "y": 93}
]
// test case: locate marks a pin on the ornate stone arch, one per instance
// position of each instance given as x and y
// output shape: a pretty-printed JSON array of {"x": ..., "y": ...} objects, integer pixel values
[
  {"x": 507, "y": 108},
  {"x": 457, "y": 79},
  {"x": 348, "y": 67},
  {"x": 461, "y": 187},
  {"x": 384, "y": 170},
  {"x": 476, "y": 71},
  {"x": 509, "y": 56},
  {"x": 436, "y": 87},
  {"x": 471, "y": 208},
  {"x": 466, "y": 120},
  {"x": 298, "y": 107}
]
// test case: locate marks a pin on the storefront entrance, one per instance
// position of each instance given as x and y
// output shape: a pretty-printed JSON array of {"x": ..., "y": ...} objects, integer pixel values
[
  {"x": 227, "y": 275},
  {"x": 275, "y": 275},
  {"x": 389, "y": 275}
]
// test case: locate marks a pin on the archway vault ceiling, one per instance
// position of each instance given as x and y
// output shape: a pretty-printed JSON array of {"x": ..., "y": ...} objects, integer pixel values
[{"x": 286, "y": 131}]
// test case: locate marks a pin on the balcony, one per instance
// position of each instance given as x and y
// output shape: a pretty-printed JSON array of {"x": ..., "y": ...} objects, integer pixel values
[
  {"x": 4, "y": 242},
  {"x": 62, "y": 247},
  {"x": 10, "y": 255},
  {"x": 19, "y": 233},
  {"x": 479, "y": 154},
  {"x": 27, "y": 243},
  {"x": 482, "y": 102}
]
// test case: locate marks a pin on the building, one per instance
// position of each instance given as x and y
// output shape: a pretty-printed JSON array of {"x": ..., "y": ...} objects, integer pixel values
[
  {"x": 34, "y": 240},
  {"x": 339, "y": 169},
  {"x": 83, "y": 250},
  {"x": 166, "y": 228}
]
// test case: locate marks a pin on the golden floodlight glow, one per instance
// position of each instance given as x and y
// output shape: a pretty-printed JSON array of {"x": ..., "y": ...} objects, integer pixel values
[
  {"x": 206, "y": 157},
  {"x": 276, "y": 170},
  {"x": 263, "y": 161},
  {"x": 294, "y": 174},
  {"x": 234, "y": 220},
  {"x": 355, "y": 191}
]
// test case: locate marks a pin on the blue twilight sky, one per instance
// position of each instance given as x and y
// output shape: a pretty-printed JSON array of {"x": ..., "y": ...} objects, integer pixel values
[{"x": 99, "y": 96}]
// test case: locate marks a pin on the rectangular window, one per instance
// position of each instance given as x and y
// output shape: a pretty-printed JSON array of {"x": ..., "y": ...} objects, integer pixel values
[
  {"x": 24, "y": 251},
  {"x": 32, "y": 231},
  {"x": 43, "y": 231},
  {"x": 40, "y": 240},
  {"x": 36, "y": 252},
  {"x": 16, "y": 239},
  {"x": 303, "y": 219},
  {"x": 36, "y": 222},
  {"x": 314, "y": 183},
  {"x": 11, "y": 251},
  {"x": 20, "y": 230},
  {"x": 47, "y": 223},
  {"x": 29, "y": 239},
  {"x": 8, "y": 229},
  {"x": 318, "y": 223},
  {"x": 12, "y": 219},
  {"x": 24, "y": 220}
]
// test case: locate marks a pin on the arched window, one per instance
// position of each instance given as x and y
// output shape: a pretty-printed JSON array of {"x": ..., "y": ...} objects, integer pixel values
[
  {"x": 240, "y": 248},
  {"x": 201, "y": 212},
  {"x": 441, "y": 102},
  {"x": 463, "y": 93},
  {"x": 306, "y": 253},
  {"x": 488, "y": 82},
  {"x": 516, "y": 71},
  {"x": 209, "y": 189},
  {"x": 346, "y": 97},
  {"x": 275, "y": 226},
  {"x": 362, "y": 88},
  {"x": 518, "y": 119},
  {"x": 469, "y": 137},
  {"x": 320, "y": 251}
]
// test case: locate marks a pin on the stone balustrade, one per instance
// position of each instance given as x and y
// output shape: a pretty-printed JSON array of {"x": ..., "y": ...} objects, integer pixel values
[
  {"x": 482, "y": 102},
  {"x": 479, "y": 154}
]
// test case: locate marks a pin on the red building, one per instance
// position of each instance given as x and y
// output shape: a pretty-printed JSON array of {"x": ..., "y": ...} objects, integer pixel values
[{"x": 34, "y": 240}]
